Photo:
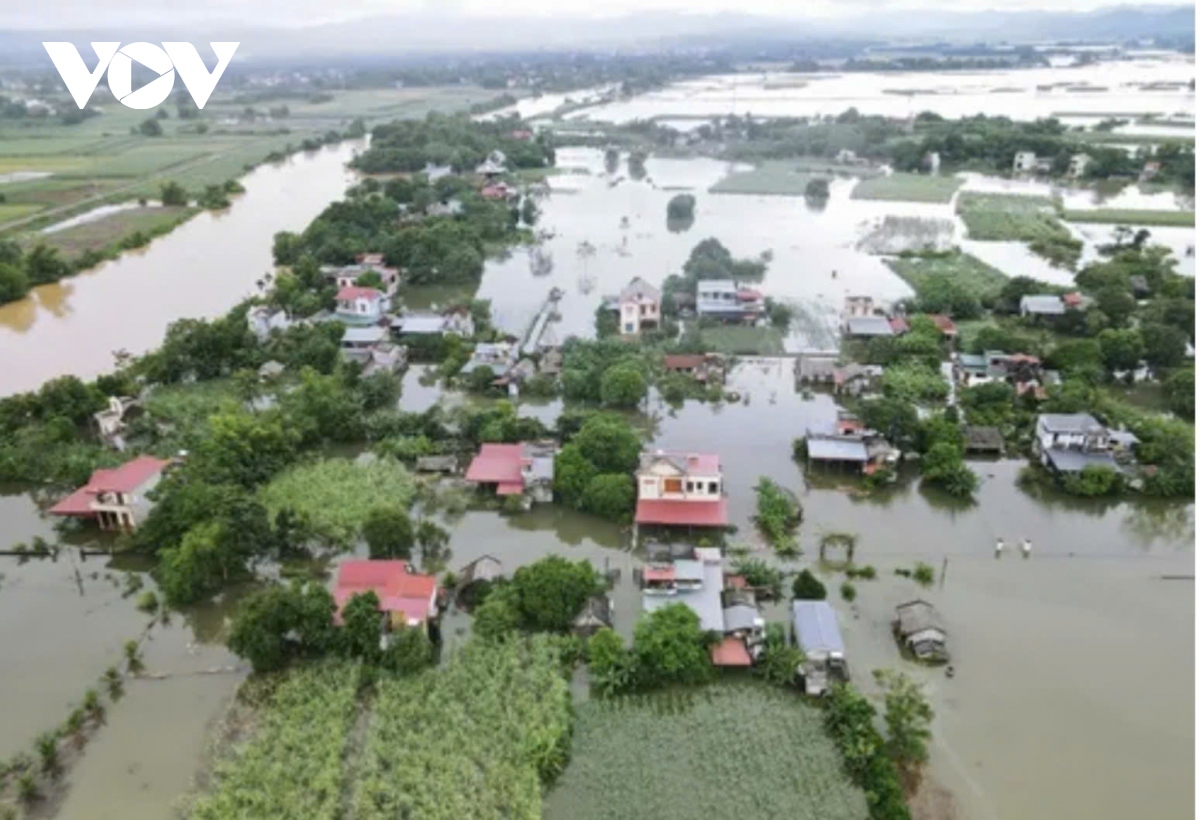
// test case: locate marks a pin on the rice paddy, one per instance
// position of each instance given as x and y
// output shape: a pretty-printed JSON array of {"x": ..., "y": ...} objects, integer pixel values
[
  {"x": 970, "y": 273},
  {"x": 901, "y": 187},
  {"x": 897, "y": 234},
  {"x": 1008, "y": 217},
  {"x": 743, "y": 340},
  {"x": 1132, "y": 216},
  {"x": 783, "y": 177},
  {"x": 727, "y": 752}
]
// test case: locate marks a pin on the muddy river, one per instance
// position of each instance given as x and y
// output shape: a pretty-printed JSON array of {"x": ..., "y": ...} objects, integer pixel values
[{"x": 1074, "y": 689}]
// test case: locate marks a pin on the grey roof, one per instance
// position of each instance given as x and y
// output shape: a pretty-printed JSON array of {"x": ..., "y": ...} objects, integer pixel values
[
  {"x": 1069, "y": 423},
  {"x": 1073, "y": 461},
  {"x": 437, "y": 464},
  {"x": 705, "y": 602},
  {"x": 271, "y": 368},
  {"x": 364, "y": 335},
  {"x": 1046, "y": 304},
  {"x": 716, "y": 286},
  {"x": 483, "y": 568},
  {"x": 917, "y": 616},
  {"x": 640, "y": 288},
  {"x": 816, "y": 627},
  {"x": 983, "y": 438},
  {"x": 740, "y": 616},
  {"x": 687, "y": 569},
  {"x": 597, "y": 609},
  {"x": 837, "y": 449},
  {"x": 1124, "y": 437},
  {"x": 816, "y": 364},
  {"x": 868, "y": 326},
  {"x": 419, "y": 323}
]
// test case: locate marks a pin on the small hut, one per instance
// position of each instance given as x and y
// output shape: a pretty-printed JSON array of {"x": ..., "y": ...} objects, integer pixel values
[
  {"x": 983, "y": 440},
  {"x": 920, "y": 630},
  {"x": 595, "y": 615}
]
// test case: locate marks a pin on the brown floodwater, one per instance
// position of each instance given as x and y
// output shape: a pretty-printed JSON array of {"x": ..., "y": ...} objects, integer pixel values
[
  {"x": 198, "y": 270},
  {"x": 1073, "y": 696}
]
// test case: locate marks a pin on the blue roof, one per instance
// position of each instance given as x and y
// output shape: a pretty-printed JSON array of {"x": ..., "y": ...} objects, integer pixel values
[
  {"x": 816, "y": 627},
  {"x": 837, "y": 449}
]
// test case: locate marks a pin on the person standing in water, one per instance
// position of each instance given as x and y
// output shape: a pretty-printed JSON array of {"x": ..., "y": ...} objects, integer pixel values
[
  {"x": 999, "y": 546},
  {"x": 1026, "y": 547}
]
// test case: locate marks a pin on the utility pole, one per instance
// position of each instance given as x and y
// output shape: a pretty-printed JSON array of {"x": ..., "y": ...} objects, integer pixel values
[{"x": 945, "y": 564}]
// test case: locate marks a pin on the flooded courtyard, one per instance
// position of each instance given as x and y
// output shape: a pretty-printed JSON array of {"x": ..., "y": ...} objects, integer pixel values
[{"x": 1073, "y": 693}]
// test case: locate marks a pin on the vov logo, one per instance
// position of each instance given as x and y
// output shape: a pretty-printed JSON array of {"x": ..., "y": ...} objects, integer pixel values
[{"x": 165, "y": 61}]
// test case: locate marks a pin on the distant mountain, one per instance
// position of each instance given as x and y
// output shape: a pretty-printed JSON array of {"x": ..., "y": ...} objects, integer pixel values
[{"x": 428, "y": 33}]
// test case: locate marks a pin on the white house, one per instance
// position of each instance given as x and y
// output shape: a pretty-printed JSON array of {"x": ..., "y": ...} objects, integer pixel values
[
  {"x": 1042, "y": 305},
  {"x": 681, "y": 489},
  {"x": 1069, "y": 442},
  {"x": 359, "y": 305},
  {"x": 640, "y": 307},
  {"x": 1025, "y": 162},
  {"x": 728, "y": 300},
  {"x": 858, "y": 306},
  {"x": 262, "y": 320},
  {"x": 1078, "y": 165}
]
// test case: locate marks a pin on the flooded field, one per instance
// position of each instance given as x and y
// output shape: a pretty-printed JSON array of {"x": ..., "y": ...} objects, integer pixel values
[
  {"x": 1075, "y": 673},
  {"x": 1022, "y": 94}
]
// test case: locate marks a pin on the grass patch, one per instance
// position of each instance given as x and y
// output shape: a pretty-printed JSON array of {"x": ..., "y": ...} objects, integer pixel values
[
  {"x": 784, "y": 177},
  {"x": 334, "y": 496},
  {"x": 472, "y": 740},
  {"x": 670, "y": 756},
  {"x": 908, "y": 188},
  {"x": 1133, "y": 216},
  {"x": 1012, "y": 217},
  {"x": 740, "y": 340},
  {"x": 15, "y": 210},
  {"x": 970, "y": 273},
  {"x": 113, "y": 229},
  {"x": 293, "y": 766}
]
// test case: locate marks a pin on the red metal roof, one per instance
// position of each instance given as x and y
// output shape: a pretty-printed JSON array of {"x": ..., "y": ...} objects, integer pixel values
[
  {"x": 748, "y": 295},
  {"x": 498, "y": 464},
  {"x": 683, "y": 361},
  {"x": 358, "y": 292},
  {"x": 683, "y": 513},
  {"x": 1074, "y": 299},
  {"x": 898, "y": 324},
  {"x": 944, "y": 323},
  {"x": 510, "y": 488},
  {"x": 398, "y": 589},
  {"x": 124, "y": 479},
  {"x": 659, "y": 573},
  {"x": 731, "y": 652}
]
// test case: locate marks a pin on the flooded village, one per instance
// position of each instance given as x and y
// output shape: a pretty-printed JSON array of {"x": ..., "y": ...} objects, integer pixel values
[{"x": 821, "y": 420}]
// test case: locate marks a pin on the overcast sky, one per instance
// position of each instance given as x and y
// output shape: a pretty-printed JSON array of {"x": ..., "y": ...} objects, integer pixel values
[{"x": 57, "y": 14}]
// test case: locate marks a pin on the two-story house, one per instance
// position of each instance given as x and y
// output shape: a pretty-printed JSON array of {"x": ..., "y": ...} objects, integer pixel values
[
  {"x": 1068, "y": 442},
  {"x": 361, "y": 306},
  {"x": 640, "y": 307},
  {"x": 115, "y": 499},
  {"x": 681, "y": 489},
  {"x": 729, "y": 301}
]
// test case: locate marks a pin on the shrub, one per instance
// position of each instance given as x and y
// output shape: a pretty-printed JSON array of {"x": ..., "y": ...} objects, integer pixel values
[
  {"x": 147, "y": 601},
  {"x": 849, "y": 593},
  {"x": 923, "y": 574},
  {"x": 806, "y": 587},
  {"x": 778, "y": 516}
]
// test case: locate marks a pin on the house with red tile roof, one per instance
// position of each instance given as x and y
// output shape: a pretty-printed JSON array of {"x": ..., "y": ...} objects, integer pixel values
[
  {"x": 115, "y": 498},
  {"x": 525, "y": 468},
  {"x": 681, "y": 489},
  {"x": 407, "y": 598},
  {"x": 361, "y": 306},
  {"x": 945, "y": 324}
]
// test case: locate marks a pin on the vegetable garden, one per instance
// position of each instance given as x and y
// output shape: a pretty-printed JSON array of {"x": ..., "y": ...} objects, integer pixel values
[{"x": 729, "y": 751}]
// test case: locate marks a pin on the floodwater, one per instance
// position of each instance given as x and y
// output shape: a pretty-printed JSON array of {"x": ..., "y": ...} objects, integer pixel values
[
  {"x": 93, "y": 215},
  {"x": 198, "y": 270},
  {"x": 1073, "y": 696},
  {"x": 1022, "y": 94}
]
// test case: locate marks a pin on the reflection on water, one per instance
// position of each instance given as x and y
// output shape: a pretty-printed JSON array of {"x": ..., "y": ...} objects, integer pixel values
[{"x": 199, "y": 269}]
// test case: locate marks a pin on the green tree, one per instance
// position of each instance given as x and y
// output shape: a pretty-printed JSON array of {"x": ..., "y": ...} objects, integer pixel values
[
  {"x": 611, "y": 496},
  {"x": 552, "y": 591},
  {"x": 13, "y": 282},
  {"x": 244, "y": 448},
  {"x": 497, "y": 617},
  {"x": 610, "y": 664},
  {"x": 682, "y": 207},
  {"x": 1116, "y": 304},
  {"x": 277, "y": 623},
  {"x": 907, "y": 715},
  {"x": 607, "y": 323},
  {"x": 817, "y": 190},
  {"x": 200, "y": 565},
  {"x": 572, "y": 475},
  {"x": 1092, "y": 481},
  {"x": 408, "y": 651},
  {"x": 361, "y": 627},
  {"x": 172, "y": 194},
  {"x": 623, "y": 385},
  {"x": 1082, "y": 357},
  {"x": 151, "y": 127},
  {"x": 480, "y": 380},
  {"x": 1121, "y": 349},
  {"x": 943, "y": 465},
  {"x": 671, "y": 648},
  {"x": 1180, "y": 390},
  {"x": 807, "y": 587},
  {"x": 609, "y": 443},
  {"x": 45, "y": 264},
  {"x": 780, "y": 662},
  {"x": 388, "y": 532},
  {"x": 1165, "y": 346}
]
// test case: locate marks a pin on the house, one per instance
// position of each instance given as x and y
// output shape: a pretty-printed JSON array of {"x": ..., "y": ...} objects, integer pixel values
[
  {"x": 111, "y": 423},
  {"x": 437, "y": 464},
  {"x": 857, "y": 306},
  {"x": 435, "y": 172},
  {"x": 484, "y": 569},
  {"x": 1150, "y": 170},
  {"x": 494, "y": 165},
  {"x": 945, "y": 324},
  {"x": 1027, "y": 162},
  {"x": 815, "y": 629},
  {"x": 933, "y": 161},
  {"x": 815, "y": 366},
  {"x": 729, "y": 301},
  {"x": 920, "y": 630},
  {"x": 856, "y": 379},
  {"x": 360, "y": 305},
  {"x": 419, "y": 324},
  {"x": 262, "y": 320},
  {"x": 1042, "y": 305},
  {"x": 1066, "y": 443},
  {"x": 452, "y": 208},
  {"x": 982, "y": 440},
  {"x": 681, "y": 489},
  {"x": 526, "y": 468},
  {"x": 745, "y": 633},
  {"x": 406, "y": 598},
  {"x": 498, "y": 357},
  {"x": 846, "y": 157},
  {"x": 703, "y": 367},
  {"x": 497, "y": 191},
  {"x": 115, "y": 498},
  {"x": 695, "y": 582},
  {"x": 1139, "y": 287},
  {"x": 459, "y": 321},
  {"x": 357, "y": 342},
  {"x": 640, "y": 307},
  {"x": 868, "y": 327},
  {"x": 850, "y": 444},
  {"x": 1078, "y": 165},
  {"x": 597, "y": 614},
  {"x": 385, "y": 357},
  {"x": 1075, "y": 300},
  {"x": 346, "y": 276},
  {"x": 521, "y": 135}
]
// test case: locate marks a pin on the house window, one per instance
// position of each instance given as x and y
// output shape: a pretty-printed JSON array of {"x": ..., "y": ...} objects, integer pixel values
[
  {"x": 629, "y": 327},
  {"x": 673, "y": 485},
  {"x": 713, "y": 488},
  {"x": 691, "y": 486}
]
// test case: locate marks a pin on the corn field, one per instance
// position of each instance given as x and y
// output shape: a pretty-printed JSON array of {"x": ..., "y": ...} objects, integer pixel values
[
  {"x": 727, "y": 752},
  {"x": 293, "y": 765},
  {"x": 473, "y": 739}
]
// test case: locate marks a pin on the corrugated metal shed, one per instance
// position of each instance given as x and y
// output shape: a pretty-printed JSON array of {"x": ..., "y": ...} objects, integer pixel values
[
  {"x": 816, "y": 628},
  {"x": 837, "y": 449}
]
